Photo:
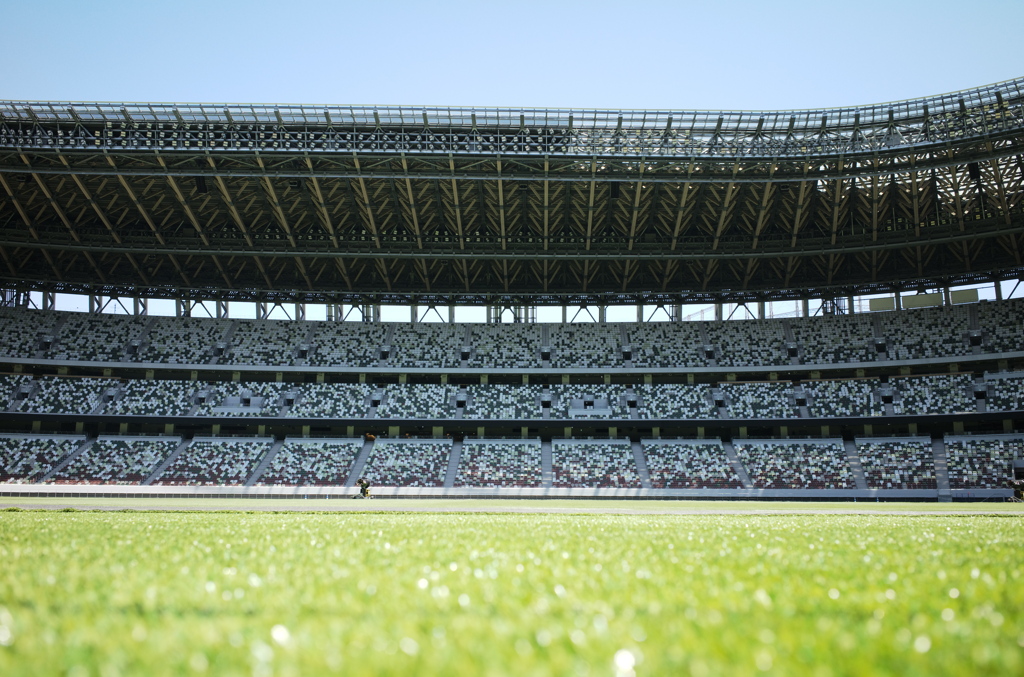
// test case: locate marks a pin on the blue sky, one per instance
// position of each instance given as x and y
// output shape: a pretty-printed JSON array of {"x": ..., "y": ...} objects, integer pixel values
[{"x": 617, "y": 55}]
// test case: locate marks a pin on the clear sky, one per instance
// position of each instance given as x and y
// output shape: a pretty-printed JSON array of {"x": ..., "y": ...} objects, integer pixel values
[{"x": 600, "y": 54}]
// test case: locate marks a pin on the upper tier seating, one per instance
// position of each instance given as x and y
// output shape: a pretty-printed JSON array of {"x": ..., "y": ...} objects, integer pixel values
[
  {"x": 897, "y": 464},
  {"x": 153, "y": 398},
  {"x": 311, "y": 463},
  {"x": 666, "y": 344},
  {"x": 585, "y": 345},
  {"x": 588, "y": 401},
  {"x": 59, "y": 395},
  {"x": 408, "y": 464},
  {"x": 27, "y": 458},
  {"x": 417, "y": 400},
  {"x": 265, "y": 342},
  {"x": 593, "y": 464},
  {"x": 23, "y": 329},
  {"x": 210, "y": 461},
  {"x": 499, "y": 463},
  {"x": 427, "y": 345},
  {"x": 347, "y": 344},
  {"x": 246, "y": 398},
  {"x": 832, "y": 339},
  {"x": 796, "y": 465},
  {"x": 182, "y": 340},
  {"x": 689, "y": 465},
  {"x": 675, "y": 400},
  {"x": 982, "y": 462},
  {"x": 849, "y": 397},
  {"x": 332, "y": 400},
  {"x": 96, "y": 337},
  {"x": 116, "y": 461},
  {"x": 762, "y": 399},
  {"x": 503, "y": 401},
  {"x": 506, "y": 346},
  {"x": 926, "y": 332},
  {"x": 937, "y": 394},
  {"x": 748, "y": 342},
  {"x": 1001, "y": 324}
]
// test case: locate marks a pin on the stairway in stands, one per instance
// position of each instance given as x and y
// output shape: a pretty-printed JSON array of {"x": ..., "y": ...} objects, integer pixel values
[
  {"x": 264, "y": 463},
  {"x": 171, "y": 457},
  {"x": 547, "y": 473},
  {"x": 641, "y": 465},
  {"x": 64, "y": 462},
  {"x": 856, "y": 468},
  {"x": 941, "y": 470},
  {"x": 737, "y": 465},
  {"x": 453, "y": 464},
  {"x": 359, "y": 464}
]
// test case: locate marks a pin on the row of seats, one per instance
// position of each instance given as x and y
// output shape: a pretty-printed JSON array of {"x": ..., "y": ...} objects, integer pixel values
[
  {"x": 909, "y": 334},
  {"x": 936, "y": 394},
  {"x": 977, "y": 462}
]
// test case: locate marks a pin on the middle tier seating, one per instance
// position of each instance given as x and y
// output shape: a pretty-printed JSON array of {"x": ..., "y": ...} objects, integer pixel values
[
  {"x": 332, "y": 400},
  {"x": 759, "y": 399},
  {"x": 689, "y": 464},
  {"x": 849, "y": 397},
  {"x": 110, "y": 460},
  {"x": 499, "y": 463},
  {"x": 61, "y": 394},
  {"x": 593, "y": 464},
  {"x": 408, "y": 463},
  {"x": 674, "y": 400},
  {"x": 571, "y": 400},
  {"x": 214, "y": 461},
  {"x": 937, "y": 394},
  {"x": 417, "y": 400},
  {"x": 246, "y": 398},
  {"x": 503, "y": 401},
  {"x": 779, "y": 464},
  {"x": 153, "y": 398},
  {"x": 311, "y": 463}
]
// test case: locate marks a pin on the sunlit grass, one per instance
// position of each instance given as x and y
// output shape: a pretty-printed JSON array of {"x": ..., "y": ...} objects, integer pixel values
[{"x": 471, "y": 594}]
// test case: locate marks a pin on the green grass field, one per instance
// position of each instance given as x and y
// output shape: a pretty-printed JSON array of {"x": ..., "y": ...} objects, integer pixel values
[{"x": 477, "y": 593}]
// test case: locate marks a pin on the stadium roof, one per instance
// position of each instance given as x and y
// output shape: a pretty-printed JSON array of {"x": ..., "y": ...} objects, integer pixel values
[{"x": 534, "y": 206}]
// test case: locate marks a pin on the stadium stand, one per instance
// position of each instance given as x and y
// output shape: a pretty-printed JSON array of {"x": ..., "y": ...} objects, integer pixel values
[
  {"x": 92, "y": 337},
  {"x": 11, "y": 386},
  {"x": 427, "y": 345},
  {"x": 153, "y": 398},
  {"x": 849, "y": 397},
  {"x": 982, "y": 461},
  {"x": 1000, "y": 324},
  {"x": 417, "y": 400},
  {"x": 926, "y": 332},
  {"x": 586, "y": 345},
  {"x": 27, "y": 458},
  {"x": 311, "y": 462},
  {"x": 408, "y": 463},
  {"x": 263, "y": 342},
  {"x": 832, "y": 339},
  {"x": 689, "y": 464},
  {"x": 588, "y": 401},
  {"x": 1005, "y": 392},
  {"x": 111, "y": 460},
  {"x": 57, "y": 394},
  {"x": 666, "y": 344},
  {"x": 761, "y": 399},
  {"x": 247, "y": 398},
  {"x": 24, "y": 330},
  {"x": 583, "y": 463},
  {"x": 748, "y": 342},
  {"x": 182, "y": 340},
  {"x": 332, "y": 400},
  {"x": 347, "y": 344},
  {"x": 936, "y": 394},
  {"x": 503, "y": 401},
  {"x": 506, "y": 346},
  {"x": 499, "y": 463},
  {"x": 897, "y": 464},
  {"x": 211, "y": 461},
  {"x": 674, "y": 400},
  {"x": 787, "y": 464}
]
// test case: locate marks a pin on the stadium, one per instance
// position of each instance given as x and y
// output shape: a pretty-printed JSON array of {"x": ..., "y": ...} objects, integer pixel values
[{"x": 636, "y": 391}]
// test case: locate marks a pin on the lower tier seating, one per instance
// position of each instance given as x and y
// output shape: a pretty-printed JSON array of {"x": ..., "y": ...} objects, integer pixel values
[
  {"x": 210, "y": 461},
  {"x": 778, "y": 464},
  {"x": 499, "y": 463},
  {"x": 593, "y": 464},
  {"x": 982, "y": 462},
  {"x": 690, "y": 465},
  {"x": 898, "y": 464},
  {"x": 310, "y": 463},
  {"x": 116, "y": 461},
  {"x": 27, "y": 458},
  {"x": 394, "y": 463}
]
